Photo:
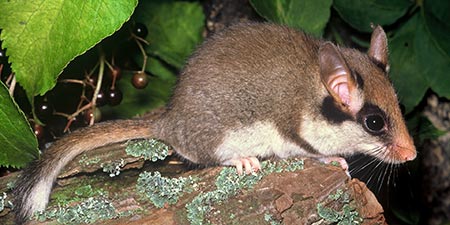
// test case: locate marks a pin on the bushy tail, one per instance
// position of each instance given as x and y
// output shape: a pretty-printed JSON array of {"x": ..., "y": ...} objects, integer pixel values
[{"x": 33, "y": 188}]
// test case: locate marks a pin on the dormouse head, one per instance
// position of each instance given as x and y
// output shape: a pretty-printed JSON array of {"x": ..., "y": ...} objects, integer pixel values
[{"x": 362, "y": 99}]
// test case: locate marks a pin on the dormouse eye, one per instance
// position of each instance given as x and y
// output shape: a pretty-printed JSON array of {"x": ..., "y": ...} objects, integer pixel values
[{"x": 374, "y": 123}]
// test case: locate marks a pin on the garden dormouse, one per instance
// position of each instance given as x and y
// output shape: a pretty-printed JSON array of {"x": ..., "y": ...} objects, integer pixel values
[{"x": 253, "y": 91}]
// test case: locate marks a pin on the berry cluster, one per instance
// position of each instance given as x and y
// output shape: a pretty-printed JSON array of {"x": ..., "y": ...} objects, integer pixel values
[{"x": 92, "y": 91}]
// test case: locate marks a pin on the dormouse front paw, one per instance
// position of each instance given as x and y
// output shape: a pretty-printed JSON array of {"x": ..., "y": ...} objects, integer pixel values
[{"x": 342, "y": 162}]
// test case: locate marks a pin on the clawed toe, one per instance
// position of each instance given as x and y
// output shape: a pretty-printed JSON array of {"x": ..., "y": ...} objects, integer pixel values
[
  {"x": 342, "y": 162},
  {"x": 247, "y": 164}
]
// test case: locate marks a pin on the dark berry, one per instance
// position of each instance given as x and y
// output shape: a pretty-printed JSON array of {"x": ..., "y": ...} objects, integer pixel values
[
  {"x": 38, "y": 131},
  {"x": 114, "y": 97},
  {"x": 2, "y": 53},
  {"x": 140, "y": 80},
  {"x": 140, "y": 30},
  {"x": 101, "y": 99},
  {"x": 3, "y": 57},
  {"x": 44, "y": 110}
]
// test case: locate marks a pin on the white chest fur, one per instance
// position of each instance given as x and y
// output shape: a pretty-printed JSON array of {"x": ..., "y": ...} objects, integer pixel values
[{"x": 261, "y": 139}]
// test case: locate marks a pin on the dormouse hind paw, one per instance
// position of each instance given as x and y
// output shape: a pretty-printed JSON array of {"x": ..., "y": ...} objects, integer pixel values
[{"x": 247, "y": 164}]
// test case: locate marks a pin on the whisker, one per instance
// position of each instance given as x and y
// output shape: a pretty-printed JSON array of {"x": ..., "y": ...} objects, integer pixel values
[
  {"x": 370, "y": 179},
  {"x": 362, "y": 165},
  {"x": 381, "y": 176},
  {"x": 396, "y": 176},
  {"x": 391, "y": 168},
  {"x": 378, "y": 172},
  {"x": 359, "y": 169}
]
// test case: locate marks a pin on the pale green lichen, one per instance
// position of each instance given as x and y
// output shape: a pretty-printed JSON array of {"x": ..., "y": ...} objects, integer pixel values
[
  {"x": 87, "y": 191},
  {"x": 88, "y": 211},
  {"x": 86, "y": 161},
  {"x": 292, "y": 166},
  {"x": 335, "y": 163},
  {"x": 229, "y": 183},
  {"x": 340, "y": 194},
  {"x": 269, "y": 218},
  {"x": 80, "y": 193},
  {"x": 346, "y": 216},
  {"x": 161, "y": 190},
  {"x": 151, "y": 149},
  {"x": 114, "y": 167},
  {"x": 4, "y": 203},
  {"x": 131, "y": 212},
  {"x": 10, "y": 185}
]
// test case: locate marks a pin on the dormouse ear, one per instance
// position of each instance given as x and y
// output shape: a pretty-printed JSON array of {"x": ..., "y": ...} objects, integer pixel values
[
  {"x": 378, "y": 50},
  {"x": 337, "y": 78}
]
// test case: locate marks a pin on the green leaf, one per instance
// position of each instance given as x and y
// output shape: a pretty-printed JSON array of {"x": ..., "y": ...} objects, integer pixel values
[
  {"x": 418, "y": 62},
  {"x": 409, "y": 81},
  {"x": 437, "y": 18},
  {"x": 19, "y": 145},
  {"x": 360, "y": 14},
  {"x": 174, "y": 28},
  {"x": 308, "y": 15},
  {"x": 434, "y": 46},
  {"x": 43, "y": 36},
  {"x": 138, "y": 101}
]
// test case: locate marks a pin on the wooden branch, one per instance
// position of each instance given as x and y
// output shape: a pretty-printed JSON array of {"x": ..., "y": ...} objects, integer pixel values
[{"x": 298, "y": 197}]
